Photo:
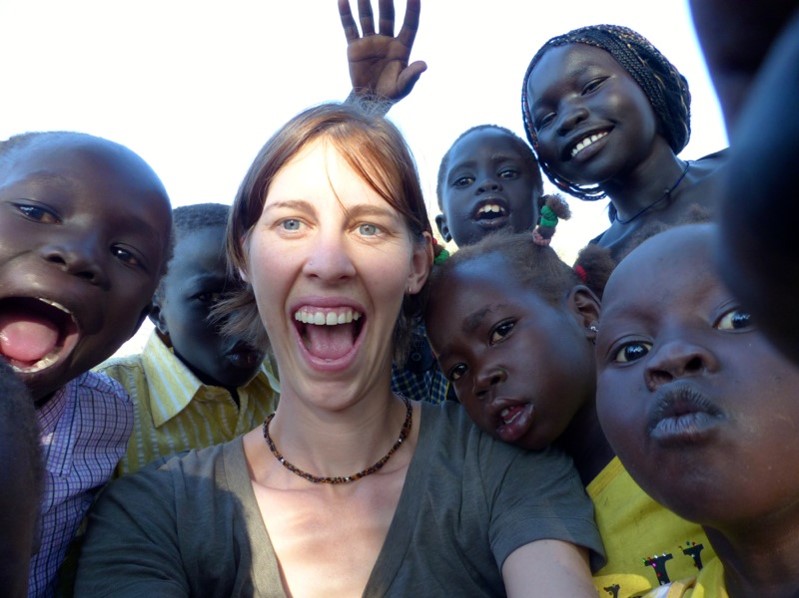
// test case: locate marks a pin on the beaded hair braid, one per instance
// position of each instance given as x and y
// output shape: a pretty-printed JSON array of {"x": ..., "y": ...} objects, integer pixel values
[{"x": 664, "y": 86}]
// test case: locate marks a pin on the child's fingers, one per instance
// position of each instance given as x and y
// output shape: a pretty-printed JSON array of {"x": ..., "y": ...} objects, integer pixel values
[
  {"x": 387, "y": 17},
  {"x": 411, "y": 23},
  {"x": 347, "y": 22},
  {"x": 366, "y": 17},
  {"x": 409, "y": 76}
]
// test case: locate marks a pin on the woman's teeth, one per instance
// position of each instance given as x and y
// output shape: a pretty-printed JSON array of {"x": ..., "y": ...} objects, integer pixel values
[{"x": 326, "y": 318}]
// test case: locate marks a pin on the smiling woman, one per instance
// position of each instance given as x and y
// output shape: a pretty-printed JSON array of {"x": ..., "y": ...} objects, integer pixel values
[{"x": 330, "y": 232}]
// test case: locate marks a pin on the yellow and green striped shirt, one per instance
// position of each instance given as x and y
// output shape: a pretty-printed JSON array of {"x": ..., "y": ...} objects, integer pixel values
[{"x": 174, "y": 411}]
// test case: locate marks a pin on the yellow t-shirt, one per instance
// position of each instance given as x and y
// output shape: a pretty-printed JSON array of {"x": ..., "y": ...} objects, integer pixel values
[
  {"x": 173, "y": 411},
  {"x": 709, "y": 583},
  {"x": 646, "y": 544}
]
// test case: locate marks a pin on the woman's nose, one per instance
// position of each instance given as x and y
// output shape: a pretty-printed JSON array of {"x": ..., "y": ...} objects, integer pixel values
[{"x": 329, "y": 257}]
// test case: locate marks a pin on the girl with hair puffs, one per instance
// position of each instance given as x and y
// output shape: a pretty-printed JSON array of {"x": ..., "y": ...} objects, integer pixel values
[
  {"x": 348, "y": 489},
  {"x": 607, "y": 115},
  {"x": 513, "y": 328}
]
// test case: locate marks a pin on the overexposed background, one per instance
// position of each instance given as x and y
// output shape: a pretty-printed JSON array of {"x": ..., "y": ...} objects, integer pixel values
[{"x": 196, "y": 87}]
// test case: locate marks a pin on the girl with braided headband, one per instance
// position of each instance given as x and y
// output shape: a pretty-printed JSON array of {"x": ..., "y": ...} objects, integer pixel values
[{"x": 607, "y": 115}]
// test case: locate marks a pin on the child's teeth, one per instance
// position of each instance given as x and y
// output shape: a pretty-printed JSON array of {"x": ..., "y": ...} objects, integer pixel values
[{"x": 586, "y": 142}]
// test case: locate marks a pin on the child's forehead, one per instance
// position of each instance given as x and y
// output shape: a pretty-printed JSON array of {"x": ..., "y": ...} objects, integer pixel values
[
  {"x": 490, "y": 136},
  {"x": 674, "y": 263}
]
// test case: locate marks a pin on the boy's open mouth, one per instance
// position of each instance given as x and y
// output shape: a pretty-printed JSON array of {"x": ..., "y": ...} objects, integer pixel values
[
  {"x": 491, "y": 209},
  {"x": 35, "y": 333},
  {"x": 328, "y": 333}
]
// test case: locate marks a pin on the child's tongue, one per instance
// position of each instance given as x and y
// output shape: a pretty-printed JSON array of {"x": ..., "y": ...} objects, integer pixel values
[
  {"x": 329, "y": 342},
  {"x": 26, "y": 338}
]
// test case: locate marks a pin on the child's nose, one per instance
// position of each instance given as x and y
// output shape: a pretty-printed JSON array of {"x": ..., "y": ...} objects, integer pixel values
[
  {"x": 79, "y": 257},
  {"x": 679, "y": 358},
  {"x": 329, "y": 258},
  {"x": 489, "y": 184},
  {"x": 488, "y": 377},
  {"x": 571, "y": 115}
]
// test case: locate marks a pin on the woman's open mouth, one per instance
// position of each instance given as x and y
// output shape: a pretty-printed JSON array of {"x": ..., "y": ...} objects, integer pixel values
[
  {"x": 35, "y": 333},
  {"x": 328, "y": 334}
]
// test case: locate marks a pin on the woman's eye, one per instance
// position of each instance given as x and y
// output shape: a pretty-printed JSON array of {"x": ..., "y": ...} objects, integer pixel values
[
  {"x": 735, "y": 319},
  {"x": 368, "y": 230},
  {"x": 38, "y": 214},
  {"x": 290, "y": 224},
  {"x": 502, "y": 330},
  {"x": 456, "y": 372},
  {"x": 463, "y": 181},
  {"x": 632, "y": 352},
  {"x": 508, "y": 173}
]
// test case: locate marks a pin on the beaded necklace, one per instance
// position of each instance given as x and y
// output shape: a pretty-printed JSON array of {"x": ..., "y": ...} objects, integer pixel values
[
  {"x": 666, "y": 194},
  {"x": 406, "y": 429}
]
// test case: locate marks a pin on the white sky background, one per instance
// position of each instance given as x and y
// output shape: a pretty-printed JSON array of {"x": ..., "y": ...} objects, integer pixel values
[{"x": 196, "y": 87}]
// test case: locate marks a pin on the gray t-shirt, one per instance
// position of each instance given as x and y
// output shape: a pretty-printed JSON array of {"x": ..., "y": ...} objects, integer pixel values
[{"x": 192, "y": 527}]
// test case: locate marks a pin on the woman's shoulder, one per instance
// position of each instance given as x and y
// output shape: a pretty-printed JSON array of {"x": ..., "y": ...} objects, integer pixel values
[
  {"x": 449, "y": 431},
  {"x": 193, "y": 468}
]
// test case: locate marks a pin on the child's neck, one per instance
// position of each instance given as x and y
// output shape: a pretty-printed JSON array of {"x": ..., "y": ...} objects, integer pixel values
[{"x": 585, "y": 441}]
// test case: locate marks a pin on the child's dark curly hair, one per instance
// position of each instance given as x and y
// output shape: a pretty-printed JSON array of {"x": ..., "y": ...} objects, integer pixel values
[{"x": 537, "y": 266}]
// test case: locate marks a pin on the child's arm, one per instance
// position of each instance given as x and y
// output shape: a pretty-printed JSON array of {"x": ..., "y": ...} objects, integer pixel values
[
  {"x": 548, "y": 568},
  {"x": 378, "y": 61}
]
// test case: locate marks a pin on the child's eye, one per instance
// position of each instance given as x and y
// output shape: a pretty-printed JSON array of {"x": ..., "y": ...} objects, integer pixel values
[
  {"x": 543, "y": 121},
  {"x": 38, "y": 213},
  {"x": 463, "y": 181},
  {"x": 593, "y": 85},
  {"x": 632, "y": 352},
  {"x": 210, "y": 297},
  {"x": 291, "y": 224},
  {"x": 735, "y": 319},
  {"x": 126, "y": 256},
  {"x": 456, "y": 372},
  {"x": 508, "y": 173},
  {"x": 501, "y": 330},
  {"x": 368, "y": 230}
]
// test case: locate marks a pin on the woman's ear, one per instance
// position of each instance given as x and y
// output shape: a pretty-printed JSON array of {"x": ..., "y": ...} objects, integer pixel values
[
  {"x": 421, "y": 262},
  {"x": 586, "y": 308},
  {"x": 244, "y": 243}
]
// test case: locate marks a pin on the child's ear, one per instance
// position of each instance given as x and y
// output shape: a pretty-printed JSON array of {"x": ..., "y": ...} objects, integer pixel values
[
  {"x": 586, "y": 307},
  {"x": 156, "y": 316},
  {"x": 243, "y": 275},
  {"x": 441, "y": 223}
]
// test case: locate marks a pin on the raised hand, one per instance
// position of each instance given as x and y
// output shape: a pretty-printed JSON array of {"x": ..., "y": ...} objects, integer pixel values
[{"x": 378, "y": 60}]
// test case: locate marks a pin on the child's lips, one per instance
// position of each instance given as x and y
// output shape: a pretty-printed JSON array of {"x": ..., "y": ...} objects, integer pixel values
[
  {"x": 513, "y": 419},
  {"x": 245, "y": 356},
  {"x": 681, "y": 415},
  {"x": 36, "y": 333}
]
